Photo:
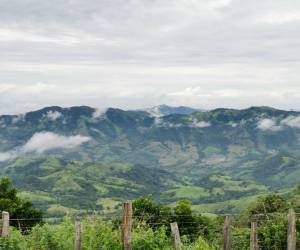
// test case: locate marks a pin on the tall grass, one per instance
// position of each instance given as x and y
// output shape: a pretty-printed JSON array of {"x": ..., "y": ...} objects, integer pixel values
[{"x": 97, "y": 234}]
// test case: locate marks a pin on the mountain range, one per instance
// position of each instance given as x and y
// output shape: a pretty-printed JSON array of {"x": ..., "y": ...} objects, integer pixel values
[{"x": 82, "y": 158}]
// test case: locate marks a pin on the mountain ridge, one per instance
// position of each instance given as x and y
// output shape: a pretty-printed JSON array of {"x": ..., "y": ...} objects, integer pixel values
[{"x": 256, "y": 149}]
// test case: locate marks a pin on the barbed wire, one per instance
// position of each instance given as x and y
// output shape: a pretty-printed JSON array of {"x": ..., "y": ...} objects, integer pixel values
[{"x": 149, "y": 216}]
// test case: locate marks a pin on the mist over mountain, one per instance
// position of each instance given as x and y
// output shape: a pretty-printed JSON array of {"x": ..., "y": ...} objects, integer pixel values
[
  {"x": 162, "y": 110},
  {"x": 175, "y": 153}
]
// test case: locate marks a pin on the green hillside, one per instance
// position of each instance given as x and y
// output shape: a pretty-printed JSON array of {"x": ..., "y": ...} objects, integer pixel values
[
  {"x": 80, "y": 159},
  {"x": 60, "y": 186}
]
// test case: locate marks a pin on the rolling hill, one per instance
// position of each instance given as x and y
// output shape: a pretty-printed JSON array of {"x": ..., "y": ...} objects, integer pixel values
[{"x": 81, "y": 158}]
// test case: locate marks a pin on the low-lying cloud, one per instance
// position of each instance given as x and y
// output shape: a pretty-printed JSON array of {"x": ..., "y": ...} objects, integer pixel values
[
  {"x": 44, "y": 141},
  {"x": 201, "y": 124},
  {"x": 41, "y": 142},
  {"x": 271, "y": 124},
  {"x": 268, "y": 125},
  {"x": 6, "y": 156},
  {"x": 158, "y": 121},
  {"x": 53, "y": 115},
  {"x": 99, "y": 113},
  {"x": 291, "y": 121}
]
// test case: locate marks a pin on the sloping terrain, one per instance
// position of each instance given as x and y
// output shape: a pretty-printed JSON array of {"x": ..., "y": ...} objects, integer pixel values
[
  {"x": 60, "y": 186},
  {"x": 79, "y": 157}
]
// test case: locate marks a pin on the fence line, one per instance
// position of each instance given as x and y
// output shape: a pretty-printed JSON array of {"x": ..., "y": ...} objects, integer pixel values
[
  {"x": 127, "y": 226},
  {"x": 176, "y": 236},
  {"x": 5, "y": 224},
  {"x": 253, "y": 237},
  {"x": 78, "y": 236},
  {"x": 147, "y": 216},
  {"x": 128, "y": 219}
]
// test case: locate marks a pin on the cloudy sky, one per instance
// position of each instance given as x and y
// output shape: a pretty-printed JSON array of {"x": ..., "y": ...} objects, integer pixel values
[{"x": 140, "y": 53}]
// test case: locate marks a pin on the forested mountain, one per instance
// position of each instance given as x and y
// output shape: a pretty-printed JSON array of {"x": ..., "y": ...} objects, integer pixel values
[{"x": 79, "y": 157}]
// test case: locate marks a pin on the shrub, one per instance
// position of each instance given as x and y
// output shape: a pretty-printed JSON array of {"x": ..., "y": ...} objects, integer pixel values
[
  {"x": 56, "y": 237},
  {"x": 100, "y": 235},
  {"x": 199, "y": 244},
  {"x": 272, "y": 235},
  {"x": 15, "y": 241},
  {"x": 240, "y": 238},
  {"x": 144, "y": 238}
]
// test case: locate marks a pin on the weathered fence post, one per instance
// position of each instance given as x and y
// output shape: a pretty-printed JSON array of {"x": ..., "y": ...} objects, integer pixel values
[
  {"x": 5, "y": 224},
  {"x": 226, "y": 234},
  {"x": 176, "y": 235},
  {"x": 78, "y": 236},
  {"x": 253, "y": 237},
  {"x": 126, "y": 226},
  {"x": 291, "y": 237}
]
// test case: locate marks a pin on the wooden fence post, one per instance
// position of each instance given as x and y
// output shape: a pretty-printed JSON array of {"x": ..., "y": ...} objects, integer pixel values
[
  {"x": 5, "y": 224},
  {"x": 291, "y": 237},
  {"x": 176, "y": 235},
  {"x": 127, "y": 226},
  {"x": 226, "y": 234},
  {"x": 253, "y": 237},
  {"x": 78, "y": 236}
]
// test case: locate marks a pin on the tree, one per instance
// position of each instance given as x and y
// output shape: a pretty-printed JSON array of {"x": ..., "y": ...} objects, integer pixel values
[
  {"x": 297, "y": 189},
  {"x": 270, "y": 212},
  {"x": 268, "y": 205},
  {"x": 184, "y": 217},
  {"x": 154, "y": 214},
  {"x": 22, "y": 213},
  {"x": 295, "y": 199},
  {"x": 192, "y": 224}
]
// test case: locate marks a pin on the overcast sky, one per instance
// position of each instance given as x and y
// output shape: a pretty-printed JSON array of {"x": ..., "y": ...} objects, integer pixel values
[{"x": 140, "y": 53}]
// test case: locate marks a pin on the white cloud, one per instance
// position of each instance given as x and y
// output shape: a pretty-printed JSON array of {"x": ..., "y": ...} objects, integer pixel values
[
  {"x": 291, "y": 121},
  {"x": 187, "y": 92},
  {"x": 201, "y": 124},
  {"x": 171, "y": 125},
  {"x": 43, "y": 141},
  {"x": 141, "y": 53},
  {"x": 7, "y": 156},
  {"x": 268, "y": 125},
  {"x": 10, "y": 35},
  {"x": 99, "y": 113},
  {"x": 280, "y": 17},
  {"x": 4, "y": 87},
  {"x": 233, "y": 124},
  {"x": 158, "y": 121},
  {"x": 155, "y": 112},
  {"x": 53, "y": 115}
]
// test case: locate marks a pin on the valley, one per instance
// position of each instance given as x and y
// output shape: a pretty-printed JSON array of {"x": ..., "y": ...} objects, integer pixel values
[{"x": 80, "y": 159}]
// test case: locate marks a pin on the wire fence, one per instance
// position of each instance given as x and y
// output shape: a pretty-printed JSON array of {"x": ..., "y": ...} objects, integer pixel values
[{"x": 189, "y": 226}]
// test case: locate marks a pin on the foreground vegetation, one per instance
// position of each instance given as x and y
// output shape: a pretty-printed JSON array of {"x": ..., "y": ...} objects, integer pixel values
[
  {"x": 206, "y": 234},
  {"x": 151, "y": 225},
  {"x": 97, "y": 235}
]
